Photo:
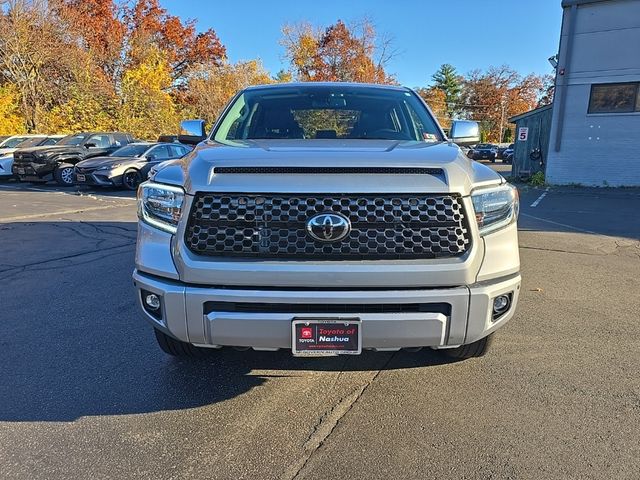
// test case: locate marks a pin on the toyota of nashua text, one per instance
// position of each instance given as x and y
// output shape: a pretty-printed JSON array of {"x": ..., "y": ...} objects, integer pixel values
[{"x": 327, "y": 218}]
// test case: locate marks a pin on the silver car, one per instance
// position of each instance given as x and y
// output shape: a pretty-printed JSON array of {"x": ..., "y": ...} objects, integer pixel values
[
  {"x": 11, "y": 144},
  {"x": 127, "y": 166}
]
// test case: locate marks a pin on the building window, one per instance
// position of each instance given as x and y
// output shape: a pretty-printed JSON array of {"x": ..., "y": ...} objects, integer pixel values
[{"x": 615, "y": 98}]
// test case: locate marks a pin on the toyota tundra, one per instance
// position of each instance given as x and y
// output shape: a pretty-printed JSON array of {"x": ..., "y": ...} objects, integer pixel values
[{"x": 327, "y": 218}]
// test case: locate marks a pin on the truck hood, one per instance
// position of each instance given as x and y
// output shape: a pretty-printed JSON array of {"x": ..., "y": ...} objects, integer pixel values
[
  {"x": 197, "y": 171},
  {"x": 53, "y": 149}
]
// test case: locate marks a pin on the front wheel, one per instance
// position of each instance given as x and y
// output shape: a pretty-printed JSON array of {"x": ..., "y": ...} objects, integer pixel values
[
  {"x": 176, "y": 348},
  {"x": 64, "y": 175},
  {"x": 131, "y": 179},
  {"x": 473, "y": 350}
]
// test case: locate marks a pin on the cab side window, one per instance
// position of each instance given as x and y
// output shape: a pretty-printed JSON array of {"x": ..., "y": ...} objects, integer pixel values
[
  {"x": 120, "y": 140},
  {"x": 161, "y": 152},
  {"x": 178, "y": 151},
  {"x": 100, "y": 141}
]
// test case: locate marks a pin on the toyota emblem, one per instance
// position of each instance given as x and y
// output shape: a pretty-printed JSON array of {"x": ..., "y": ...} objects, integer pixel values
[{"x": 328, "y": 227}]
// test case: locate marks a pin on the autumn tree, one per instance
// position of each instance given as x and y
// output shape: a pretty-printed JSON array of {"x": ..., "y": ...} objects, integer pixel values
[
  {"x": 448, "y": 81},
  {"x": 30, "y": 41},
  {"x": 337, "y": 53},
  {"x": 11, "y": 120},
  {"x": 148, "y": 109},
  {"x": 494, "y": 95},
  {"x": 548, "y": 90},
  {"x": 100, "y": 27},
  {"x": 182, "y": 46},
  {"x": 210, "y": 89},
  {"x": 437, "y": 101}
]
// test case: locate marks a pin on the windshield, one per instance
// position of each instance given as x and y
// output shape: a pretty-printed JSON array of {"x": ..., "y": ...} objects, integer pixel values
[
  {"x": 131, "y": 151},
  {"x": 327, "y": 112},
  {"x": 73, "y": 140},
  {"x": 13, "y": 142},
  {"x": 31, "y": 142}
]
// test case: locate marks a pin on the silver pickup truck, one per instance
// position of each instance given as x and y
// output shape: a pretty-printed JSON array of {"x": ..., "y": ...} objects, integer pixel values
[{"x": 327, "y": 218}]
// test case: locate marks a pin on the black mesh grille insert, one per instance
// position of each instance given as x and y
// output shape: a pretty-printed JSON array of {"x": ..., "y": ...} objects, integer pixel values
[
  {"x": 337, "y": 308},
  {"x": 275, "y": 226}
]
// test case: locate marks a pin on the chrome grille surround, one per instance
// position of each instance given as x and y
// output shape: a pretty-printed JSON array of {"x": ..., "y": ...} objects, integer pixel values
[{"x": 384, "y": 226}]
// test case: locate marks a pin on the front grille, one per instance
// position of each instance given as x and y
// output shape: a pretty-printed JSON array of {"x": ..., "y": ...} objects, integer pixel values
[
  {"x": 335, "y": 308},
  {"x": 24, "y": 158},
  {"x": 274, "y": 226},
  {"x": 83, "y": 171}
]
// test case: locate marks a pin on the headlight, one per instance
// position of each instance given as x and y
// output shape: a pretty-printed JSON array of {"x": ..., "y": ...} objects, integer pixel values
[
  {"x": 160, "y": 205},
  {"x": 495, "y": 207}
]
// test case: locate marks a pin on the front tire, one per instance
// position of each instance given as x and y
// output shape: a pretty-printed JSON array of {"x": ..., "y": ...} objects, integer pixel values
[
  {"x": 64, "y": 175},
  {"x": 131, "y": 179},
  {"x": 473, "y": 350},
  {"x": 176, "y": 348}
]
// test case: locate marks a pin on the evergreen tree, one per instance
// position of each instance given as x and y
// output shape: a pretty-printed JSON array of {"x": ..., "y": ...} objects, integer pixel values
[{"x": 448, "y": 80}]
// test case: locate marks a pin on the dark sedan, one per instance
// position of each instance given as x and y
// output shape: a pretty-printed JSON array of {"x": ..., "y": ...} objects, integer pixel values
[{"x": 484, "y": 151}]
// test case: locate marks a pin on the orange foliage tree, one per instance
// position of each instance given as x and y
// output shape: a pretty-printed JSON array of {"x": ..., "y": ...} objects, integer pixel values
[
  {"x": 337, "y": 53},
  {"x": 492, "y": 96}
]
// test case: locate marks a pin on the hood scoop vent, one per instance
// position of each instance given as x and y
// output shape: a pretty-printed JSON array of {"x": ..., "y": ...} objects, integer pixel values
[{"x": 330, "y": 170}]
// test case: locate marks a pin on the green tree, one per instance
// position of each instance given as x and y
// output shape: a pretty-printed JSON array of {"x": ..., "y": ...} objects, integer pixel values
[{"x": 448, "y": 80}]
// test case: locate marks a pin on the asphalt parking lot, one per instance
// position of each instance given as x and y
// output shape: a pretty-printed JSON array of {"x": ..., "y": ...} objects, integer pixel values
[{"x": 86, "y": 393}]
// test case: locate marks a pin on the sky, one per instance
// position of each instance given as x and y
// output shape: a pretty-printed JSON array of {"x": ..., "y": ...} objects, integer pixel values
[{"x": 468, "y": 34}]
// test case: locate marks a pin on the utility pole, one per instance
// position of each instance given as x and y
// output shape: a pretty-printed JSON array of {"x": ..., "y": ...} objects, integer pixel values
[{"x": 503, "y": 105}]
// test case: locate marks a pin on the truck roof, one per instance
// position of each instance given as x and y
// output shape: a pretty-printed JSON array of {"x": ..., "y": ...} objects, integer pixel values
[{"x": 326, "y": 84}]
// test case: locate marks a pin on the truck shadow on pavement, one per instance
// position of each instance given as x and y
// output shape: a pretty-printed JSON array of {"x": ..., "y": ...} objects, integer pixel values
[{"x": 73, "y": 344}]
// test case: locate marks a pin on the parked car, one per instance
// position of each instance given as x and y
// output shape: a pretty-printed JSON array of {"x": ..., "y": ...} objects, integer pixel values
[
  {"x": 296, "y": 226},
  {"x": 40, "y": 164},
  {"x": 484, "y": 151},
  {"x": 22, "y": 141},
  {"x": 500, "y": 150},
  {"x": 157, "y": 167},
  {"x": 507, "y": 156},
  {"x": 127, "y": 166}
]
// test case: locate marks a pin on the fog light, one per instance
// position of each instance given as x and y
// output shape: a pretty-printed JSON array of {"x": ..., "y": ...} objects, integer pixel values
[
  {"x": 153, "y": 302},
  {"x": 500, "y": 305}
]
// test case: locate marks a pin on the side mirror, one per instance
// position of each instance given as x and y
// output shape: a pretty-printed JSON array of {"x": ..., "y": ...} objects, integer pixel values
[
  {"x": 151, "y": 157},
  {"x": 192, "y": 132},
  {"x": 89, "y": 145},
  {"x": 465, "y": 132}
]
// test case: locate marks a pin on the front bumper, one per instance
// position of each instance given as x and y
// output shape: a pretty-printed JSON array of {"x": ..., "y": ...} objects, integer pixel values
[
  {"x": 97, "y": 178},
  {"x": 33, "y": 171},
  {"x": 209, "y": 316}
]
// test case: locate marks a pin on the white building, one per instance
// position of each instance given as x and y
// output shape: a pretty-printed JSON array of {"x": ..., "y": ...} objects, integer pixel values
[{"x": 595, "y": 129}]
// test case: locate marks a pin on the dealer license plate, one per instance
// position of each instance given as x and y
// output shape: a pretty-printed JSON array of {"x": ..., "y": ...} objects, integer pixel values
[
  {"x": 81, "y": 178},
  {"x": 326, "y": 337}
]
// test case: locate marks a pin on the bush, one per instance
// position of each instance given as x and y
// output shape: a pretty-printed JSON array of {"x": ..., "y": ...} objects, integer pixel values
[{"x": 537, "y": 179}]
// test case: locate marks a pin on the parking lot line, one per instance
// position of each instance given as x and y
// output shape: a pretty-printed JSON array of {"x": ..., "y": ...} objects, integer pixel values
[
  {"x": 539, "y": 199},
  {"x": 51, "y": 214},
  {"x": 565, "y": 225}
]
